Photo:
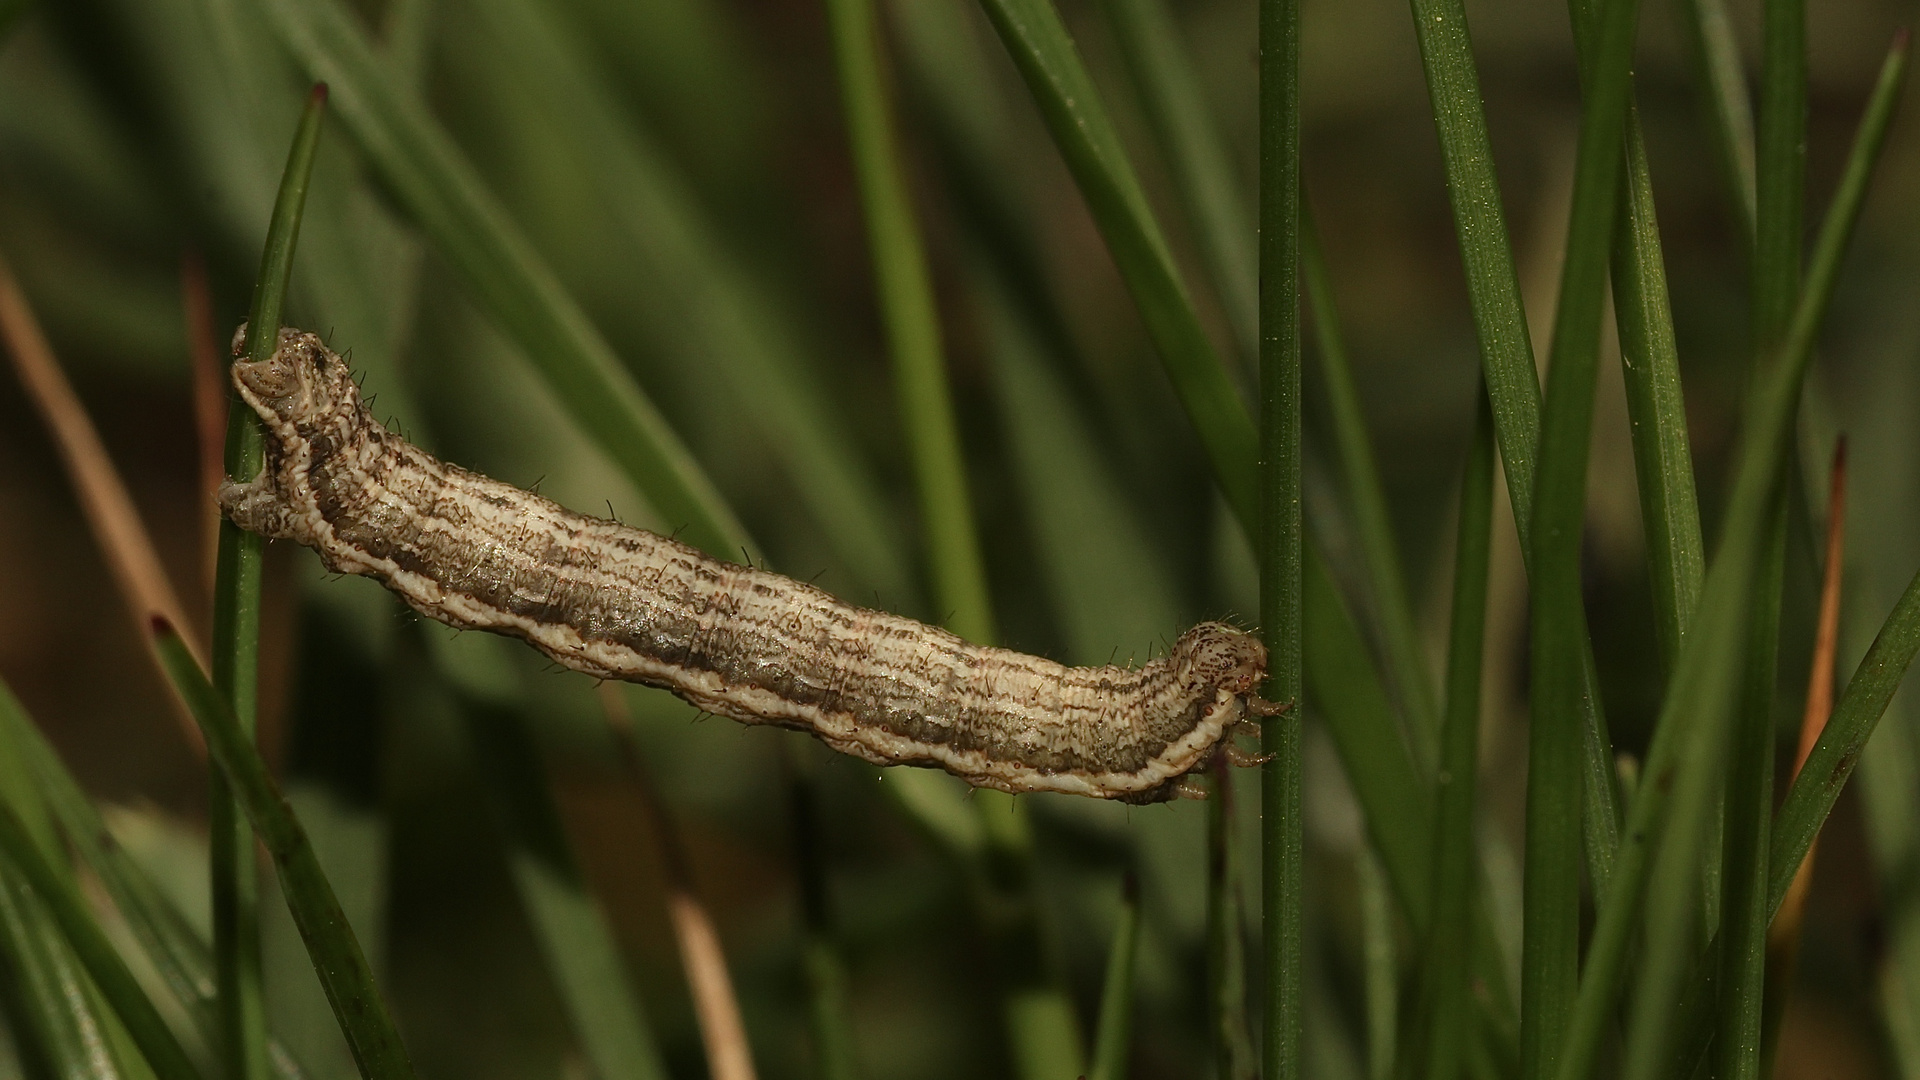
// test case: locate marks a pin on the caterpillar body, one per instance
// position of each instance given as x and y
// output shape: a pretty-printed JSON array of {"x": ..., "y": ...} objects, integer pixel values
[{"x": 619, "y": 602}]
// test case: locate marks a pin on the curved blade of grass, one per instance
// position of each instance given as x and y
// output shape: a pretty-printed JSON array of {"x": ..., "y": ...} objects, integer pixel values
[
  {"x": 697, "y": 289},
  {"x": 1189, "y": 140},
  {"x": 578, "y": 944},
  {"x": 1506, "y": 352},
  {"x": 1112, "y": 1033},
  {"x": 337, "y": 959},
  {"x": 1278, "y": 541},
  {"x": 177, "y": 951},
  {"x": 1550, "y": 957},
  {"x": 1695, "y": 711},
  {"x": 426, "y": 173},
  {"x": 1456, "y": 863},
  {"x": 20, "y": 854},
  {"x": 1045, "y": 56},
  {"x": 236, "y": 639},
  {"x": 905, "y": 288}
]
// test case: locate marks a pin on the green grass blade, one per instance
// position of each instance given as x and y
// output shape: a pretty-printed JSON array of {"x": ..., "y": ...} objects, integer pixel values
[
  {"x": 1506, "y": 352},
  {"x": 1456, "y": 863},
  {"x": 236, "y": 639},
  {"x": 1400, "y": 637},
  {"x": 905, "y": 287},
  {"x": 1203, "y": 174},
  {"x": 438, "y": 188},
  {"x": 1045, "y": 55},
  {"x": 1380, "y": 967},
  {"x": 580, "y": 949},
  {"x": 21, "y": 855},
  {"x": 337, "y": 959},
  {"x": 1112, "y": 1041},
  {"x": 1550, "y": 961},
  {"x": 1694, "y": 714},
  {"x": 1656, "y": 407},
  {"x": 828, "y": 1011},
  {"x": 1825, "y": 774},
  {"x": 699, "y": 299},
  {"x": 1713, "y": 50},
  {"x": 1226, "y": 1001},
  {"x": 1278, "y": 541}
]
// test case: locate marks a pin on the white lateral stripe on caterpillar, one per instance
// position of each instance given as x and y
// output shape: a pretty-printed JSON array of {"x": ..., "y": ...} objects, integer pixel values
[{"x": 619, "y": 602}]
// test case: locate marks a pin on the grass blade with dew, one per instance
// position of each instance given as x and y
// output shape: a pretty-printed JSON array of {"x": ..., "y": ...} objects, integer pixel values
[
  {"x": 1560, "y": 680},
  {"x": 1506, "y": 351},
  {"x": 1203, "y": 175},
  {"x": 236, "y": 638},
  {"x": 337, "y": 959},
  {"x": 1112, "y": 1041},
  {"x": 1045, "y": 55},
  {"x": 438, "y": 188},
  {"x": 1279, "y": 541},
  {"x": 1446, "y": 979},
  {"x": 1694, "y": 712},
  {"x": 1044, "y": 1034},
  {"x": 1780, "y": 181}
]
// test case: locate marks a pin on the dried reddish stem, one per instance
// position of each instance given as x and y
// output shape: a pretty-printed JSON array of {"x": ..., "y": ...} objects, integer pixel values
[{"x": 104, "y": 499}]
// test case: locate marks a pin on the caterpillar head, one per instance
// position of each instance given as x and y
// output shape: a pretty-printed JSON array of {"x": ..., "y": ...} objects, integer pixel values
[
  {"x": 1215, "y": 654},
  {"x": 302, "y": 381}
]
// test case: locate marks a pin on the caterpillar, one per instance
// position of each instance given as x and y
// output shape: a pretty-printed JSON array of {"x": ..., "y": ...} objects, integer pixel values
[{"x": 617, "y": 602}]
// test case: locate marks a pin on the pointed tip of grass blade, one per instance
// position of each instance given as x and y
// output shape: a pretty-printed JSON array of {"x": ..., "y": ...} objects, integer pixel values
[
  {"x": 161, "y": 626},
  {"x": 318, "y": 95}
]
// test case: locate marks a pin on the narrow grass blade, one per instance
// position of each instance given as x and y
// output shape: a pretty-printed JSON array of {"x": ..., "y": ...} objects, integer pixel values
[
  {"x": 19, "y": 854},
  {"x": 578, "y": 944},
  {"x": 1045, "y": 55},
  {"x": 1381, "y": 968},
  {"x": 697, "y": 298},
  {"x": 236, "y": 638},
  {"x": 905, "y": 291},
  {"x": 1656, "y": 406},
  {"x": 1697, "y": 704},
  {"x": 1373, "y": 522},
  {"x": 1550, "y": 958},
  {"x": 1203, "y": 174},
  {"x": 1506, "y": 352},
  {"x": 1783, "y": 933},
  {"x": 1726, "y": 112},
  {"x": 1112, "y": 1033},
  {"x": 1446, "y": 982},
  {"x": 438, "y": 188},
  {"x": 828, "y": 1010},
  {"x": 337, "y": 959},
  {"x": 1226, "y": 942}
]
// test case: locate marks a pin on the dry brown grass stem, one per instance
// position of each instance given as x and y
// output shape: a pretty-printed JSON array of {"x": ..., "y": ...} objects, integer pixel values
[
  {"x": 722, "y": 1032},
  {"x": 103, "y": 495}
]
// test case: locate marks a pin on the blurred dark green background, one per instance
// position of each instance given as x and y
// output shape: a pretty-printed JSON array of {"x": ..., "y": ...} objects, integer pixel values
[{"x": 718, "y": 245}]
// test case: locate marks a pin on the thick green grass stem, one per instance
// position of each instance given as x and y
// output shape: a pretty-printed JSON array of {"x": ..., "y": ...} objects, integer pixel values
[
  {"x": 236, "y": 639},
  {"x": 1551, "y": 948},
  {"x": 1279, "y": 540},
  {"x": 344, "y": 973},
  {"x": 1447, "y": 978},
  {"x": 904, "y": 285},
  {"x": 1693, "y": 717}
]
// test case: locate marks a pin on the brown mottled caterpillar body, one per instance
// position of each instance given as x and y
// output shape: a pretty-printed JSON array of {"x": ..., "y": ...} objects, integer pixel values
[{"x": 618, "y": 602}]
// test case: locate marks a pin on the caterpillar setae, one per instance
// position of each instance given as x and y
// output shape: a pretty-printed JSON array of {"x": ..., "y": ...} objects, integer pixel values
[{"x": 618, "y": 602}]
